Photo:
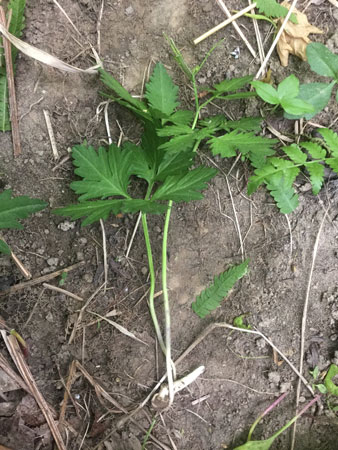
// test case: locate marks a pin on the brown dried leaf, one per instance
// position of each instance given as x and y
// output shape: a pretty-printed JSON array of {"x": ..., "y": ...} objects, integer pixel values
[{"x": 294, "y": 38}]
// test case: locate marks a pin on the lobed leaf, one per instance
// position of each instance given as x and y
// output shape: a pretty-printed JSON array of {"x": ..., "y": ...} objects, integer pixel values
[
  {"x": 283, "y": 194},
  {"x": 13, "y": 209},
  {"x": 211, "y": 297},
  {"x": 185, "y": 187},
  {"x": 316, "y": 171},
  {"x": 174, "y": 130},
  {"x": 315, "y": 150},
  {"x": 181, "y": 117},
  {"x": 331, "y": 140},
  {"x": 161, "y": 92},
  {"x": 174, "y": 164},
  {"x": 105, "y": 172},
  {"x": 295, "y": 154}
]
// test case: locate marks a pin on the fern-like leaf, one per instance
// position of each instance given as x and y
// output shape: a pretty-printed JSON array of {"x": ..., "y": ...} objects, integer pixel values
[
  {"x": 13, "y": 209},
  {"x": 227, "y": 145},
  {"x": 316, "y": 171},
  {"x": 331, "y": 139},
  {"x": 283, "y": 194},
  {"x": 211, "y": 297},
  {"x": 273, "y": 9},
  {"x": 161, "y": 92}
]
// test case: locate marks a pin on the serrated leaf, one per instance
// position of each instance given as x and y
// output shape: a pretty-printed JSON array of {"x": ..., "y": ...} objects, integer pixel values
[
  {"x": 315, "y": 150},
  {"x": 213, "y": 121},
  {"x": 185, "y": 187},
  {"x": 12, "y": 209},
  {"x": 161, "y": 92},
  {"x": 317, "y": 95},
  {"x": 284, "y": 195},
  {"x": 296, "y": 106},
  {"x": 181, "y": 117},
  {"x": 295, "y": 154},
  {"x": 266, "y": 92},
  {"x": 4, "y": 248},
  {"x": 122, "y": 93},
  {"x": 333, "y": 164},
  {"x": 139, "y": 163},
  {"x": 211, "y": 297},
  {"x": 105, "y": 172},
  {"x": 273, "y": 9},
  {"x": 227, "y": 145},
  {"x": 331, "y": 140},
  {"x": 237, "y": 96},
  {"x": 258, "y": 157},
  {"x": 244, "y": 124},
  {"x": 174, "y": 164},
  {"x": 174, "y": 130},
  {"x": 151, "y": 143},
  {"x": 232, "y": 85},
  {"x": 316, "y": 171},
  {"x": 101, "y": 209},
  {"x": 321, "y": 60},
  {"x": 275, "y": 167},
  {"x": 179, "y": 144},
  {"x": 17, "y": 23},
  {"x": 288, "y": 88}
]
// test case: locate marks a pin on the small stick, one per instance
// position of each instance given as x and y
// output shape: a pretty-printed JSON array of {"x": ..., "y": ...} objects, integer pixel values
[
  {"x": 67, "y": 17},
  {"x": 224, "y": 24},
  {"x": 25, "y": 272},
  {"x": 39, "y": 280},
  {"x": 133, "y": 235},
  {"x": 70, "y": 381},
  {"x": 264, "y": 63},
  {"x": 258, "y": 38},
  {"x": 26, "y": 374},
  {"x": 51, "y": 135},
  {"x": 239, "y": 31},
  {"x": 13, "y": 108},
  {"x": 62, "y": 291},
  {"x": 98, "y": 28},
  {"x": 304, "y": 320},
  {"x": 105, "y": 259}
]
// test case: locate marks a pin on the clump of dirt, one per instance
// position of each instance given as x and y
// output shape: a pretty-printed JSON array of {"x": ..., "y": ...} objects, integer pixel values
[{"x": 241, "y": 377}]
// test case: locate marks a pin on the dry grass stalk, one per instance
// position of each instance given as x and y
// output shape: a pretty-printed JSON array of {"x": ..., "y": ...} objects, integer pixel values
[
  {"x": 224, "y": 24},
  {"x": 51, "y": 135},
  {"x": 13, "y": 108},
  {"x": 239, "y": 31},
  {"x": 62, "y": 291},
  {"x": 4, "y": 365},
  {"x": 39, "y": 280},
  {"x": 26, "y": 374},
  {"x": 25, "y": 272}
]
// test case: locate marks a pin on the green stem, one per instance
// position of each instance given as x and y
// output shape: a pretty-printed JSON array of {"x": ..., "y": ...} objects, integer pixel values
[
  {"x": 152, "y": 274},
  {"x": 146, "y": 437},
  {"x": 166, "y": 305}
]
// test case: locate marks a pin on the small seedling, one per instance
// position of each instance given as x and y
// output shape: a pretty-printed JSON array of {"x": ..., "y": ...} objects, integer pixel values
[
  {"x": 63, "y": 278},
  {"x": 316, "y": 378},
  {"x": 330, "y": 385},
  {"x": 266, "y": 444}
]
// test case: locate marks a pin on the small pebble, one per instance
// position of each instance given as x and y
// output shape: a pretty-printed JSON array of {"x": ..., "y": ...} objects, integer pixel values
[
  {"x": 144, "y": 270},
  {"x": 66, "y": 225},
  {"x": 53, "y": 261},
  {"x": 129, "y": 11},
  {"x": 274, "y": 377},
  {"x": 80, "y": 256},
  {"x": 88, "y": 277},
  {"x": 285, "y": 387},
  {"x": 49, "y": 317}
]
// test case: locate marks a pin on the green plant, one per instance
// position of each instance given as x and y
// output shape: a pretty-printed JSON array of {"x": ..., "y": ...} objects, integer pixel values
[
  {"x": 266, "y": 444},
  {"x": 13, "y": 209},
  {"x": 317, "y": 381},
  {"x": 325, "y": 63},
  {"x": 16, "y": 10},
  {"x": 331, "y": 387},
  {"x": 286, "y": 96},
  {"x": 162, "y": 165}
]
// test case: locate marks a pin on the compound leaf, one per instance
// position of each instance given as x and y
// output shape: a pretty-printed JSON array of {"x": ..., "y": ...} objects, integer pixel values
[
  {"x": 283, "y": 194},
  {"x": 12, "y": 209},
  {"x": 174, "y": 164},
  {"x": 101, "y": 209},
  {"x": 331, "y": 139},
  {"x": 273, "y": 9},
  {"x": 181, "y": 117},
  {"x": 316, "y": 171},
  {"x": 295, "y": 154},
  {"x": 161, "y": 92},
  {"x": 315, "y": 150},
  {"x": 185, "y": 187},
  {"x": 227, "y": 145},
  {"x": 212, "y": 296}
]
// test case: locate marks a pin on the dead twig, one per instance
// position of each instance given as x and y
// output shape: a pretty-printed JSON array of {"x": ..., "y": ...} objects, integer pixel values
[
  {"x": 62, "y": 291},
  {"x": 25, "y": 272},
  {"x": 304, "y": 320},
  {"x": 26, "y": 374},
  {"x": 50, "y": 131},
  {"x": 13, "y": 108},
  {"x": 280, "y": 31},
  {"x": 39, "y": 280},
  {"x": 224, "y": 24}
]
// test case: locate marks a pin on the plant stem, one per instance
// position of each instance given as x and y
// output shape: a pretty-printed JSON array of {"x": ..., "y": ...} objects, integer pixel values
[
  {"x": 152, "y": 282},
  {"x": 166, "y": 306}
]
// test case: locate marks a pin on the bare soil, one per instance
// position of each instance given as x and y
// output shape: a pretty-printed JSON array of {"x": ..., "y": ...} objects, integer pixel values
[{"x": 241, "y": 377}]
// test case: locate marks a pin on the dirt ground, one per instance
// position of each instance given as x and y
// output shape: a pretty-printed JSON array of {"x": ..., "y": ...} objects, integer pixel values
[{"x": 241, "y": 378}]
